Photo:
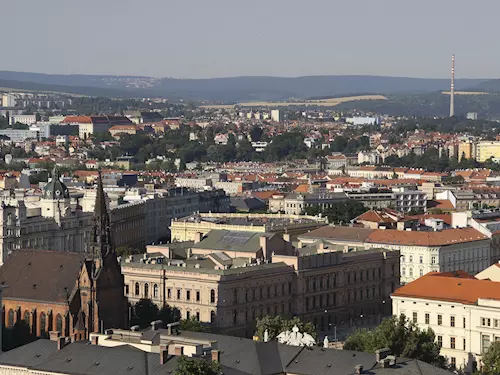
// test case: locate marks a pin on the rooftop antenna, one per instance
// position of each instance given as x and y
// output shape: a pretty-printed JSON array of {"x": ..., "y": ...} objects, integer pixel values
[{"x": 452, "y": 89}]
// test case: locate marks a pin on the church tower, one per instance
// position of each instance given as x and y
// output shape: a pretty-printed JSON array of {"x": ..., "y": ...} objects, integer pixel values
[
  {"x": 55, "y": 199},
  {"x": 101, "y": 245}
]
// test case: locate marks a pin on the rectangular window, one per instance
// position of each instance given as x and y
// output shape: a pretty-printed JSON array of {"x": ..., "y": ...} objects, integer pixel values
[
  {"x": 440, "y": 341},
  {"x": 178, "y": 294},
  {"x": 440, "y": 320},
  {"x": 452, "y": 342},
  {"x": 126, "y": 288},
  {"x": 198, "y": 296},
  {"x": 464, "y": 322},
  {"x": 188, "y": 295},
  {"x": 465, "y": 346},
  {"x": 452, "y": 321},
  {"x": 485, "y": 343},
  {"x": 433, "y": 260},
  {"x": 495, "y": 323},
  {"x": 415, "y": 317},
  {"x": 453, "y": 362},
  {"x": 421, "y": 259},
  {"x": 169, "y": 293},
  {"x": 427, "y": 318}
]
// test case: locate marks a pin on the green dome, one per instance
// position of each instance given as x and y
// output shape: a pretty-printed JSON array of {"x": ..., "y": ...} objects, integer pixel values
[{"x": 55, "y": 189}]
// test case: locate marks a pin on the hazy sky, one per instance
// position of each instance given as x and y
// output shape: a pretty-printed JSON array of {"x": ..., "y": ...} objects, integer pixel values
[{"x": 215, "y": 38}]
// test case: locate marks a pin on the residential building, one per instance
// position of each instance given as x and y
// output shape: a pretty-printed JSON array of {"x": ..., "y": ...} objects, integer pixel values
[
  {"x": 485, "y": 150},
  {"x": 277, "y": 115},
  {"x": 421, "y": 251},
  {"x": 19, "y": 135},
  {"x": 230, "y": 278},
  {"x": 466, "y": 150},
  {"x": 463, "y": 312},
  {"x": 22, "y": 119},
  {"x": 410, "y": 200},
  {"x": 187, "y": 228},
  {"x": 88, "y": 125},
  {"x": 360, "y": 121},
  {"x": 158, "y": 351},
  {"x": 8, "y": 101},
  {"x": 117, "y": 130},
  {"x": 296, "y": 204},
  {"x": 72, "y": 293}
]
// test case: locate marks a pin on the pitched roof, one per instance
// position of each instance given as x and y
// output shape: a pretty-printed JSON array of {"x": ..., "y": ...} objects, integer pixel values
[
  {"x": 444, "y": 287},
  {"x": 231, "y": 240},
  {"x": 339, "y": 233},
  {"x": 424, "y": 238},
  {"x": 40, "y": 275}
]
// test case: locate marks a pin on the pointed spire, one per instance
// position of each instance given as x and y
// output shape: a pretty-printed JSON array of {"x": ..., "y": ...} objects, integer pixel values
[{"x": 102, "y": 229}]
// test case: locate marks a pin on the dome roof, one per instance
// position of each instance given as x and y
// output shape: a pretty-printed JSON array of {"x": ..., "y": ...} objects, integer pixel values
[{"x": 55, "y": 189}]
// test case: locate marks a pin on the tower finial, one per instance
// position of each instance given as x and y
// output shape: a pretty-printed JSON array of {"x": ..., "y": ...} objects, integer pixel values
[
  {"x": 452, "y": 88},
  {"x": 102, "y": 228}
]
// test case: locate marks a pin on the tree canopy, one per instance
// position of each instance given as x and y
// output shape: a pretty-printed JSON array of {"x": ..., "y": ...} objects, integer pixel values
[
  {"x": 402, "y": 337},
  {"x": 491, "y": 360},
  {"x": 197, "y": 366},
  {"x": 339, "y": 212}
]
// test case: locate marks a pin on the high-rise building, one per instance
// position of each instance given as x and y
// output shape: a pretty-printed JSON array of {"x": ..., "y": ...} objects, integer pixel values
[
  {"x": 8, "y": 100},
  {"x": 276, "y": 115}
]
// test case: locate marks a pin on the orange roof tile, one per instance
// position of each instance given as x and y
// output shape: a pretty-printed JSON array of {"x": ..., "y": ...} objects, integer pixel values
[
  {"x": 450, "y": 288},
  {"x": 302, "y": 188}
]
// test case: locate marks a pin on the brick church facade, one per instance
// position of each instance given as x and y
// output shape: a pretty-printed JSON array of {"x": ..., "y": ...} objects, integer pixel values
[{"x": 72, "y": 293}]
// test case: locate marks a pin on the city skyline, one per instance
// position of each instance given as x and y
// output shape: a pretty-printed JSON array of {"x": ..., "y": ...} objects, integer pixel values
[{"x": 198, "y": 40}]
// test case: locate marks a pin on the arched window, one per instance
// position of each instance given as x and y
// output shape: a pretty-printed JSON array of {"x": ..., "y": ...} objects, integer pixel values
[
  {"x": 136, "y": 289},
  {"x": 188, "y": 314},
  {"x": 43, "y": 324},
  {"x": 155, "y": 291},
  {"x": 59, "y": 323},
  {"x": 212, "y": 296},
  {"x": 26, "y": 317},
  {"x": 212, "y": 316},
  {"x": 10, "y": 318},
  {"x": 146, "y": 290}
]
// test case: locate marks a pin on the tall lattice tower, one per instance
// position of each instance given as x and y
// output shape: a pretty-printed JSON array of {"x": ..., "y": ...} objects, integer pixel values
[{"x": 452, "y": 89}]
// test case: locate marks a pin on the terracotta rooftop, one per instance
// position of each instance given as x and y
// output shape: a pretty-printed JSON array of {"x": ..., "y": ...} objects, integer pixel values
[
  {"x": 439, "y": 238},
  {"x": 450, "y": 288}
]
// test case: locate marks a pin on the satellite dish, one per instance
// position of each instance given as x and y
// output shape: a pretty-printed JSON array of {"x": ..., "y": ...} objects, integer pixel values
[{"x": 8, "y": 158}]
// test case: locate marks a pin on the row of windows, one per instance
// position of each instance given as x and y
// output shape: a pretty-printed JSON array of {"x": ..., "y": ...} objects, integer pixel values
[
  {"x": 439, "y": 319},
  {"x": 270, "y": 292},
  {"x": 42, "y": 318}
]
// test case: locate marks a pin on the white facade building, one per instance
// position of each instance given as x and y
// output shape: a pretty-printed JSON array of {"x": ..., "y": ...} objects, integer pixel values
[
  {"x": 463, "y": 312},
  {"x": 277, "y": 115},
  {"x": 8, "y": 100},
  {"x": 22, "y": 119}
]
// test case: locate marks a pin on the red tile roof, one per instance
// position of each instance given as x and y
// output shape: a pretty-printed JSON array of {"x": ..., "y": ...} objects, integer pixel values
[
  {"x": 450, "y": 288},
  {"x": 439, "y": 238}
]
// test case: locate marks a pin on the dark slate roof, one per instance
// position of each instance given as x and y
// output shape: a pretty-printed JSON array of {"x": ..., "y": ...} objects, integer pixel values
[
  {"x": 339, "y": 233},
  {"x": 238, "y": 357},
  {"x": 40, "y": 275},
  {"x": 232, "y": 240},
  {"x": 248, "y": 204}
]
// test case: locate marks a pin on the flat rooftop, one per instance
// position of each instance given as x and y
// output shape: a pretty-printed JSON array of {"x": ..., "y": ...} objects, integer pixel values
[{"x": 278, "y": 220}]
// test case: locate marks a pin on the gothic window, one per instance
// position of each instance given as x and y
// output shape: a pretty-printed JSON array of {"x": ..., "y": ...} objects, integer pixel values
[
  {"x": 10, "y": 318},
  {"x": 43, "y": 324},
  {"x": 155, "y": 291},
  {"x": 26, "y": 317},
  {"x": 59, "y": 323}
]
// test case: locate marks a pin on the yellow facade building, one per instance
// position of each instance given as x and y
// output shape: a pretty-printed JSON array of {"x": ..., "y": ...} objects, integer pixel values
[{"x": 486, "y": 150}]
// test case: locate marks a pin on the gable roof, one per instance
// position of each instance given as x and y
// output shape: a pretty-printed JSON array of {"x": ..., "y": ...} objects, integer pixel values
[
  {"x": 232, "y": 240},
  {"x": 446, "y": 287},
  {"x": 40, "y": 275},
  {"x": 424, "y": 238}
]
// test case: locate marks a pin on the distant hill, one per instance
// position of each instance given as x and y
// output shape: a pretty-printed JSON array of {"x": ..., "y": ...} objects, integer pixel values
[
  {"x": 492, "y": 85},
  {"x": 232, "y": 89}
]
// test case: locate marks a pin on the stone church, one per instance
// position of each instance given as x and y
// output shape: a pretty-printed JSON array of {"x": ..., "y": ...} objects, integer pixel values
[{"x": 65, "y": 291}]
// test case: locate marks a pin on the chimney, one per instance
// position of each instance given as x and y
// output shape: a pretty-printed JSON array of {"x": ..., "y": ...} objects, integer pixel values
[
  {"x": 263, "y": 245},
  {"x": 380, "y": 354},
  {"x": 54, "y": 335},
  {"x": 95, "y": 340},
  {"x": 164, "y": 355},
  {"x": 216, "y": 356},
  {"x": 198, "y": 236},
  {"x": 179, "y": 351},
  {"x": 358, "y": 369},
  {"x": 61, "y": 343}
]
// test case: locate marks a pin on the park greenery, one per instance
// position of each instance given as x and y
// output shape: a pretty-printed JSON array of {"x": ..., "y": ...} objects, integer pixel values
[
  {"x": 146, "y": 311},
  {"x": 338, "y": 212},
  {"x": 197, "y": 366},
  {"x": 491, "y": 360},
  {"x": 402, "y": 337},
  {"x": 276, "y": 325}
]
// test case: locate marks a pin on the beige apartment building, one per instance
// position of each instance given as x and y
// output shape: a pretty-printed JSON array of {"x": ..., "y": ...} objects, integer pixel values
[
  {"x": 463, "y": 312},
  {"x": 230, "y": 278},
  {"x": 187, "y": 228}
]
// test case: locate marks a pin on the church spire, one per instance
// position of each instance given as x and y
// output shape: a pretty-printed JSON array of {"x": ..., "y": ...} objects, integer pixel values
[{"x": 101, "y": 245}]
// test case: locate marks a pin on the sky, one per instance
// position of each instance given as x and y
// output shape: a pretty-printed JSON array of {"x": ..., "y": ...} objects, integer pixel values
[{"x": 223, "y": 38}]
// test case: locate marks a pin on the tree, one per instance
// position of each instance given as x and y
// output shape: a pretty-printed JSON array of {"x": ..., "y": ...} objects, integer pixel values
[
  {"x": 256, "y": 133},
  {"x": 276, "y": 325},
  {"x": 402, "y": 337},
  {"x": 123, "y": 251},
  {"x": 145, "y": 312},
  {"x": 193, "y": 325},
  {"x": 491, "y": 360},
  {"x": 196, "y": 366},
  {"x": 338, "y": 212}
]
